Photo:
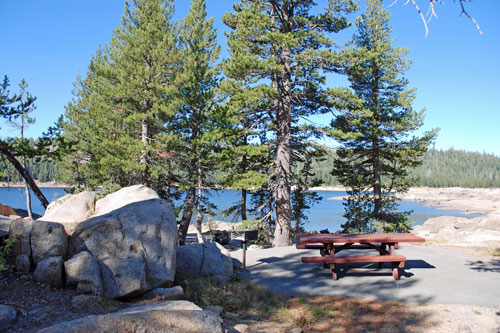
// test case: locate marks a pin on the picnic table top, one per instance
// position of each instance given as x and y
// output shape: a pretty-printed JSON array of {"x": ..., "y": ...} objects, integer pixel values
[{"x": 359, "y": 238}]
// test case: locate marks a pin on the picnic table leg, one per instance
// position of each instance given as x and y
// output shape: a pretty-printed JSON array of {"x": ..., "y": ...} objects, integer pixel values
[
  {"x": 395, "y": 270},
  {"x": 326, "y": 252},
  {"x": 333, "y": 267}
]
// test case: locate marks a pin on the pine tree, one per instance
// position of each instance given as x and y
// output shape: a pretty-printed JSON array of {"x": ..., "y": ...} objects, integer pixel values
[
  {"x": 249, "y": 156},
  {"x": 283, "y": 49},
  {"x": 375, "y": 127},
  {"x": 12, "y": 107},
  {"x": 25, "y": 108},
  {"x": 118, "y": 117},
  {"x": 199, "y": 123}
]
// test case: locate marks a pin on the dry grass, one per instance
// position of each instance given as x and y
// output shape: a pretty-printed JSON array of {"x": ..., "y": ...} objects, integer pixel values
[{"x": 261, "y": 309}]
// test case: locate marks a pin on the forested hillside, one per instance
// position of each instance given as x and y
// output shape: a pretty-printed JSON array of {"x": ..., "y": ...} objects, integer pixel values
[
  {"x": 43, "y": 171},
  {"x": 458, "y": 168},
  {"x": 440, "y": 168}
]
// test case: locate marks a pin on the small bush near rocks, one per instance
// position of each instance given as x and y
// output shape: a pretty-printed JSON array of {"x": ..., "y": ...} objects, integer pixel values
[{"x": 4, "y": 250}]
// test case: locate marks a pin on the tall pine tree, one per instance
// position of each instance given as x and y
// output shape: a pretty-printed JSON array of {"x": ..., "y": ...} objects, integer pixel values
[
  {"x": 126, "y": 99},
  {"x": 375, "y": 128},
  {"x": 199, "y": 123},
  {"x": 283, "y": 49}
]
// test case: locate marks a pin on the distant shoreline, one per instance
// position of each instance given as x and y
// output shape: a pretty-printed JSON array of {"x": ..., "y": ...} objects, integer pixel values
[{"x": 39, "y": 184}]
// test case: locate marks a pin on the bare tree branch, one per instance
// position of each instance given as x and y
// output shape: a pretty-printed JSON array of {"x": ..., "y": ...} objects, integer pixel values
[{"x": 431, "y": 12}]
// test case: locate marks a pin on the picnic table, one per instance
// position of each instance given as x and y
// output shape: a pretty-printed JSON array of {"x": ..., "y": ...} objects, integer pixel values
[{"x": 331, "y": 244}]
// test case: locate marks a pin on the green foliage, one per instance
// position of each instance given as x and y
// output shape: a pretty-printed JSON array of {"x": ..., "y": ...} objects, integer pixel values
[
  {"x": 374, "y": 126},
  {"x": 455, "y": 168},
  {"x": 41, "y": 168},
  {"x": 116, "y": 121},
  {"x": 279, "y": 52},
  {"x": 5, "y": 249}
]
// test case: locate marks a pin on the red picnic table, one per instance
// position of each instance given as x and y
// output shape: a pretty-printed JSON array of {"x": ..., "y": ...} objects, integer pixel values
[{"x": 331, "y": 244}]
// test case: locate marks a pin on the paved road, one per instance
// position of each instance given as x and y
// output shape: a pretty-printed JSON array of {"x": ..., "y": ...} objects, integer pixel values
[{"x": 432, "y": 274}]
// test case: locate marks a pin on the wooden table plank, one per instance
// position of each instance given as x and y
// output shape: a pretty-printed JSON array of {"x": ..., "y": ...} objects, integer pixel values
[{"x": 359, "y": 238}]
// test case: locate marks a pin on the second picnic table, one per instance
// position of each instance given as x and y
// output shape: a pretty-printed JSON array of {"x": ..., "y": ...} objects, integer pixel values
[{"x": 331, "y": 244}]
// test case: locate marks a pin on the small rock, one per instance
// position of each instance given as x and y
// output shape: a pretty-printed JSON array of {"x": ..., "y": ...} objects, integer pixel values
[
  {"x": 234, "y": 303},
  {"x": 33, "y": 312},
  {"x": 297, "y": 330},
  {"x": 83, "y": 271},
  {"x": 42, "y": 317},
  {"x": 23, "y": 264},
  {"x": 84, "y": 300},
  {"x": 7, "y": 316},
  {"x": 215, "y": 309},
  {"x": 165, "y": 292},
  {"x": 50, "y": 272},
  {"x": 242, "y": 328}
]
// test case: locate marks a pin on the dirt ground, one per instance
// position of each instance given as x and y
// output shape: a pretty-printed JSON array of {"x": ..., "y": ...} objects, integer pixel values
[{"x": 38, "y": 307}]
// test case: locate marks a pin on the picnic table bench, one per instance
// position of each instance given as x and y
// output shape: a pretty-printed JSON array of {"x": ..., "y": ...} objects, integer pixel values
[{"x": 331, "y": 244}]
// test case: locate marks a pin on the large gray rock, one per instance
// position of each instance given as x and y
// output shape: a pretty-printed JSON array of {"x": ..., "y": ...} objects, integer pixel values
[
  {"x": 21, "y": 230},
  {"x": 48, "y": 239},
  {"x": 206, "y": 259},
  {"x": 166, "y": 316},
  {"x": 145, "y": 232},
  {"x": 70, "y": 209},
  {"x": 124, "y": 277},
  {"x": 7, "y": 317},
  {"x": 123, "y": 197},
  {"x": 50, "y": 272},
  {"x": 83, "y": 271}
]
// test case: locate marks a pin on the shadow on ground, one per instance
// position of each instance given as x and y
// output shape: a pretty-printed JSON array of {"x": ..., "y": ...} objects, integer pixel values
[
  {"x": 485, "y": 266},
  {"x": 286, "y": 274}
]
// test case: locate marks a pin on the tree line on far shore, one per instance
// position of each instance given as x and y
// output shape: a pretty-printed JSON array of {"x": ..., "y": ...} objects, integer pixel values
[{"x": 440, "y": 168}]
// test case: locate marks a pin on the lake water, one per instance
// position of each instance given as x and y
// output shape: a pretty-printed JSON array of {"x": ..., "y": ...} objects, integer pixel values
[{"x": 327, "y": 214}]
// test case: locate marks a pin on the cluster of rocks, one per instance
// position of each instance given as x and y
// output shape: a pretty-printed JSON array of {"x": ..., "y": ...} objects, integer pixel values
[
  {"x": 119, "y": 247},
  {"x": 123, "y": 245},
  {"x": 483, "y": 231}
]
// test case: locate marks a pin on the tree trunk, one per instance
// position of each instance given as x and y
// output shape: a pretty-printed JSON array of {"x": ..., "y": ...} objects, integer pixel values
[
  {"x": 186, "y": 215},
  {"x": 377, "y": 186},
  {"x": 283, "y": 190},
  {"x": 28, "y": 200},
  {"x": 199, "y": 214},
  {"x": 243, "y": 206},
  {"x": 144, "y": 158},
  {"x": 19, "y": 167}
]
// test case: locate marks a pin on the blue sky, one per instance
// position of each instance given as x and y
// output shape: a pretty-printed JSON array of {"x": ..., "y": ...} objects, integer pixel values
[{"x": 455, "y": 69}]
